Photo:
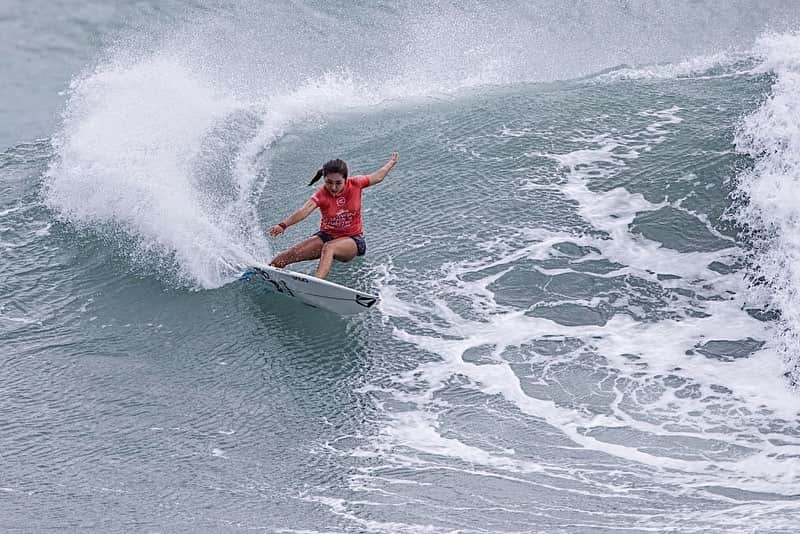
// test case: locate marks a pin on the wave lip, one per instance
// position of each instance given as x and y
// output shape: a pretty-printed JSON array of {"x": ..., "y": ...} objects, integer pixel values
[{"x": 718, "y": 64}]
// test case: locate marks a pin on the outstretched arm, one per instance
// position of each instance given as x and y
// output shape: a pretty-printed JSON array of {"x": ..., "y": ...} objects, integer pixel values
[
  {"x": 378, "y": 176},
  {"x": 294, "y": 218}
]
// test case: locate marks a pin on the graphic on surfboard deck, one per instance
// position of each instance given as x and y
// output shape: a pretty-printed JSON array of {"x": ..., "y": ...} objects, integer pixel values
[{"x": 313, "y": 291}]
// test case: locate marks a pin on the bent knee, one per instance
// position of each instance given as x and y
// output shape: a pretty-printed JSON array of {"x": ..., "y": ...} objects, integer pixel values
[{"x": 328, "y": 249}]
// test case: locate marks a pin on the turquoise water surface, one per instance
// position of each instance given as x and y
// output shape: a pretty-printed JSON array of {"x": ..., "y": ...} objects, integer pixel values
[{"x": 585, "y": 257}]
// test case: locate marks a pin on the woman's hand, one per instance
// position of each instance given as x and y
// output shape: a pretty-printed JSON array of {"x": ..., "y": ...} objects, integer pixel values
[
  {"x": 276, "y": 230},
  {"x": 378, "y": 176}
]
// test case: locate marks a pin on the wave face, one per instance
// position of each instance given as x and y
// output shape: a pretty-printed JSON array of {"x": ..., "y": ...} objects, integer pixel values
[
  {"x": 161, "y": 141},
  {"x": 585, "y": 261}
]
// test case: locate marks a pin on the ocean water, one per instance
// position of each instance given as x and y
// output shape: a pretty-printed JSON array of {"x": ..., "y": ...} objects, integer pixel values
[{"x": 587, "y": 260}]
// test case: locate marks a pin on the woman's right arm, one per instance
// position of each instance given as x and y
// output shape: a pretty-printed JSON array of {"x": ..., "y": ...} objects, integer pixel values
[
  {"x": 378, "y": 176},
  {"x": 294, "y": 218}
]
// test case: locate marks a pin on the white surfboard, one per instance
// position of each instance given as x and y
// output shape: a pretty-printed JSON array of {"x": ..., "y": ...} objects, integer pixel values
[{"x": 312, "y": 290}]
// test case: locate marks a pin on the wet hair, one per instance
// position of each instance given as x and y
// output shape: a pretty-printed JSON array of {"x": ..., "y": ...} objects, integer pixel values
[{"x": 331, "y": 167}]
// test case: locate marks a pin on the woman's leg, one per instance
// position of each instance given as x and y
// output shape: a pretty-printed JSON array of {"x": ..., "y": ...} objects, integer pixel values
[
  {"x": 308, "y": 249},
  {"x": 342, "y": 249}
]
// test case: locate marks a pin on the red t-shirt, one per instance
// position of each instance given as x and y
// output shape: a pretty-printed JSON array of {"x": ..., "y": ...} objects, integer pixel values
[{"x": 341, "y": 214}]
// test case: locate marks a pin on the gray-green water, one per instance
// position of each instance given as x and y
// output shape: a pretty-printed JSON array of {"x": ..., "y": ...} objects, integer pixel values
[{"x": 568, "y": 338}]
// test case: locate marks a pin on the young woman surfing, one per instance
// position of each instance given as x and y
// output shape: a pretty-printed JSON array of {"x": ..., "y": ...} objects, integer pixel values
[{"x": 340, "y": 235}]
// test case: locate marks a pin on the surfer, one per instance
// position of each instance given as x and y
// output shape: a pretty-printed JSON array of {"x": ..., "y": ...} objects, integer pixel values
[{"x": 340, "y": 235}]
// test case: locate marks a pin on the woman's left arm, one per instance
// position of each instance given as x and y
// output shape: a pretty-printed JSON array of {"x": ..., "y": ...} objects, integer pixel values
[{"x": 378, "y": 176}]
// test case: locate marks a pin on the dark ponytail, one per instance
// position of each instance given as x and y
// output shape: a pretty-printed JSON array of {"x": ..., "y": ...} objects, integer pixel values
[
  {"x": 316, "y": 177},
  {"x": 331, "y": 167}
]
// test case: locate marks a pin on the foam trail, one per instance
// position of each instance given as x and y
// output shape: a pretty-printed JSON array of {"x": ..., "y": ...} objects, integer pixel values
[
  {"x": 663, "y": 345},
  {"x": 615, "y": 210}
]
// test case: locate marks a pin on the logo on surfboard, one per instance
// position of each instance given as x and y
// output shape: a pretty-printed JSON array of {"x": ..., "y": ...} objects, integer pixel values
[{"x": 365, "y": 301}]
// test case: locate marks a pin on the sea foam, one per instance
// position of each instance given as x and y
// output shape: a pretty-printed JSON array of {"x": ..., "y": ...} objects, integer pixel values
[{"x": 769, "y": 191}]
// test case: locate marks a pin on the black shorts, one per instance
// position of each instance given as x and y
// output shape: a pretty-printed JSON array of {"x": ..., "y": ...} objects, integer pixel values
[{"x": 361, "y": 245}]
